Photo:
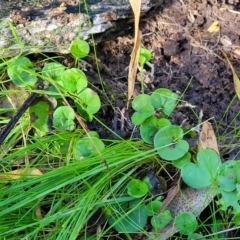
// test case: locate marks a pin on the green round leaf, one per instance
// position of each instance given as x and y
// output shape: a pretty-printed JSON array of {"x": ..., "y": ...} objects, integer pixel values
[
  {"x": 236, "y": 219},
  {"x": 39, "y": 114},
  {"x": 194, "y": 176},
  {"x": 209, "y": 161},
  {"x": 165, "y": 99},
  {"x": 142, "y": 105},
  {"x": 139, "y": 117},
  {"x": 79, "y": 48},
  {"x": 179, "y": 163},
  {"x": 141, "y": 102},
  {"x": 87, "y": 147},
  {"x": 204, "y": 172},
  {"x": 153, "y": 208},
  {"x": 137, "y": 188},
  {"x": 194, "y": 236},
  {"x": 161, "y": 220},
  {"x": 163, "y": 122},
  {"x": 142, "y": 60},
  {"x": 53, "y": 70},
  {"x": 169, "y": 144},
  {"x": 231, "y": 170},
  {"x": 74, "y": 80},
  {"x": 63, "y": 118},
  {"x": 88, "y": 103},
  {"x": 93, "y": 134},
  {"x": 227, "y": 183},
  {"x": 186, "y": 223},
  {"x": 144, "y": 56},
  {"x": 129, "y": 222},
  {"x": 150, "y": 126},
  {"x": 22, "y": 72}
]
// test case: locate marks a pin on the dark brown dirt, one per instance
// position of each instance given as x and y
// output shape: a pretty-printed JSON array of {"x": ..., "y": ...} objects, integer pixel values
[{"x": 188, "y": 60}]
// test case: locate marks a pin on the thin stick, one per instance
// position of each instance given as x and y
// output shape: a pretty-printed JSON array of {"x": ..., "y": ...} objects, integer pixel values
[{"x": 4, "y": 133}]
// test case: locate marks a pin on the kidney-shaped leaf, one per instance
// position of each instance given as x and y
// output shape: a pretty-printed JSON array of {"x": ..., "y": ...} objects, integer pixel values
[
  {"x": 144, "y": 56},
  {"x": 39, "y": 114},
  {"x": 88, "y": 103},
  {"x": 137, "y": 188},
  {"x": 88, "y": 146},
  {"x": 204, "y": 172},
  {"x": 169, "y": 144},
  {"x": 186, "y": 223},
  {"x": 153, "y": 207},
  {"x": 79, "y": 48},
  {"x": 129, "y": 222},
  {"x": 22, "y": 72},
  {"x": 74, "y": 80},
  {"x": 63, "y": 118},
  {"x": 53, "y": 70},
  {"x": 150, "y": 127},
  {"x": 161, "y": 220},
  {"x": 165, "y": 99}
]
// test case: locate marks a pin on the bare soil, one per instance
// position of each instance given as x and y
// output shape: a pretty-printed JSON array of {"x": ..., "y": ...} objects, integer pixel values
[{"x": 188, "y": 60}]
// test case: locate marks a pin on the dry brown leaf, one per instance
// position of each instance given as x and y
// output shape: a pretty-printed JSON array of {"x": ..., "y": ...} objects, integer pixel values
[
  {"x": 173, "y": 191},
  {"x": 207, "y": 138},
  {"x": 136, "y": 6},
  {"x": 235, "y": 76},
  {"x": 23, "y": 172},
  {"x": 215, "y": 27}
]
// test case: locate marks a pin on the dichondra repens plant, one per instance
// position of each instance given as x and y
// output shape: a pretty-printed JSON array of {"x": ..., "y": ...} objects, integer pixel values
[
  {"x": 137, "y": 204},
  {"x": 71, "y": 83},
  {"x": 151, "y": 113}
]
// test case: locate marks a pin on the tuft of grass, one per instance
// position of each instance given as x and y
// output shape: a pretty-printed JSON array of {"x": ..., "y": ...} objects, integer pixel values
[{"x": 68, "y": 195}]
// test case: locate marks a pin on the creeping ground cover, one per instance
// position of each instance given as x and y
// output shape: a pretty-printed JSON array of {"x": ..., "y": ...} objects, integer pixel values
[{"x": 66, "y": 172}]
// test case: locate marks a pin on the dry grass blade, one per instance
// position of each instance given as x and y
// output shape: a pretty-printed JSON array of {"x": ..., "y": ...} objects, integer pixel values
[
  {"x": 136, "y": 6},
  {"x": 235, "y": 76}
]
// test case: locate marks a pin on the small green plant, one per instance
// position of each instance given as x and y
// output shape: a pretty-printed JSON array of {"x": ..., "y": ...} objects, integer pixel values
[
  {"x": 169, "y": 143},
  {"x": 79, "y": 48},
  {"x": 204, "y": 172},
  {"x": 143, "y": 107},
  {"x": 145, "y": 56},
  {"x": 137, "y": 188},
  {"x": 186, "y": 223},
  {"x": 39, "y": 113},
  {"x": 65, "y": 82},
  {"x": 63, "y": 118},
  {"x": 22, "y": 72},
  {"x": 74, "y": 80},
  {"x": 132, "y": 216},
  {"x": 88, "y": 146},
  {"x": 129, "y": 207},
  {"x": 151, "y": 112}
]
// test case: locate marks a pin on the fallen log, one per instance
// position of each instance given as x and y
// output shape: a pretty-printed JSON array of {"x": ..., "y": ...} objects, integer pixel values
[{"x": 50, "y": 26}]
